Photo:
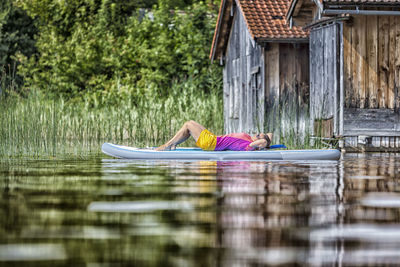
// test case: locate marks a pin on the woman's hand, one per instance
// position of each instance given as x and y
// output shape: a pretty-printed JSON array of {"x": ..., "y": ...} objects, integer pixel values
[{"x": 259, "y": 144}]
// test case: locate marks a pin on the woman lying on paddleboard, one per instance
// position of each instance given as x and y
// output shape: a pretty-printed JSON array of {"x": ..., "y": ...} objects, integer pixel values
[{"x": 208, "y": 141}]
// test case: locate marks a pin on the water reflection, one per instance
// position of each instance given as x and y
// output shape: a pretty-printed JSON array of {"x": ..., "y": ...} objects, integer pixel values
[
  {"x": 137, "y": 206},
  {"x": 32, "y": 252},
  {"x": 381, "y": 200},
  {"x": 189, "y": 213}
]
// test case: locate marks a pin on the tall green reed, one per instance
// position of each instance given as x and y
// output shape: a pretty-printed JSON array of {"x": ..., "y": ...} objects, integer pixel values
[
  {"x": 290, "y": 121},
  {"x": 40, "y": 126}
]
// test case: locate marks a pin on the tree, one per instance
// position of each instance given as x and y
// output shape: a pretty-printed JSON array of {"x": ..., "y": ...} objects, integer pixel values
[
  {"x": 109, "y": 48},
  {"x": 17, "y": 32}
]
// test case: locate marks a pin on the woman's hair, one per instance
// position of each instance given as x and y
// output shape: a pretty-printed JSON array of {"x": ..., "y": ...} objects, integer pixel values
[{"x": 266, "y": 137}]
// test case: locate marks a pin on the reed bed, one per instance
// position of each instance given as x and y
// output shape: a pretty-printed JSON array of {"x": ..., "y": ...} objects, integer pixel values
[
  {"x": 290, "y": 123},
  {"x": 37, "y": 126}
]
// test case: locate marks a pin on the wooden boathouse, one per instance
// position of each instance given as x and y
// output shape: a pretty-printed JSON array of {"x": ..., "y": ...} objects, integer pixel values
[
  {"x": 266, "y": 67},
  {"x": 354, "y": 70}
]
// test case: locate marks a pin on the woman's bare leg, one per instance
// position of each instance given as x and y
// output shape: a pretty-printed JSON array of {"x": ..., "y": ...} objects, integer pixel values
[{"x": 190, "y": 128}]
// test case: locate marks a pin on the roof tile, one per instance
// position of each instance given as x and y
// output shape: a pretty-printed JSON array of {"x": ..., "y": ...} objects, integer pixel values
[{"x": 266, "y": 19}]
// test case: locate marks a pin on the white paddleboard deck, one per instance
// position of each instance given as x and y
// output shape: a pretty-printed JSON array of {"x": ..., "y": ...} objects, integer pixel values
[{"x": 127, "y": 152}]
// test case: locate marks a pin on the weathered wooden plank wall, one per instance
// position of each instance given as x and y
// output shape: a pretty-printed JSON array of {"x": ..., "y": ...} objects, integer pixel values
[
  {"x": 272, "y": 68},
  {"x": 244, "y": 80},
  {"x": 287, "y": 88},
  {"x": 371, "y": 62},
  {"x": 371, "y": 122},
  {"x": 324, "y": 91},
  {"x": 371, "y": 45},
  {"x": 265, "y": 88}
]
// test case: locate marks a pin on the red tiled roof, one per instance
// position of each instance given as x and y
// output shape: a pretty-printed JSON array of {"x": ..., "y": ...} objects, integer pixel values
[{"x": 266, "y": 19}]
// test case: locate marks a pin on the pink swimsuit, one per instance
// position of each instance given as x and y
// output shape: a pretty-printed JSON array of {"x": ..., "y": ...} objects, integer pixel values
[{"x": 234, "y": 141}]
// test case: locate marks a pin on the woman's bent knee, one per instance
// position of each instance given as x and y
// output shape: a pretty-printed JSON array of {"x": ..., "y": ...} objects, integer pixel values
[{"x": 190, "y": 123}]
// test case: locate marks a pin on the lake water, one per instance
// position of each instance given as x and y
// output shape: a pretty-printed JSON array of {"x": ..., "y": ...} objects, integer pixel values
[{"x": 107, "y": 212}]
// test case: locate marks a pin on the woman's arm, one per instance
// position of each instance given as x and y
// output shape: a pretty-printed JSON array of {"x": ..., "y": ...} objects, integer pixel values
[{"x": 258, "y": 144}]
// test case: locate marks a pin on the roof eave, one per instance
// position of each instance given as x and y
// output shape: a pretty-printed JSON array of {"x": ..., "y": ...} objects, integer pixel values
[
  {"x": 217, "y": 30},
  {"x": 282, "y": 40},
  {"x": 290, "y": 10},
  {"x": 356, "y": 3}
]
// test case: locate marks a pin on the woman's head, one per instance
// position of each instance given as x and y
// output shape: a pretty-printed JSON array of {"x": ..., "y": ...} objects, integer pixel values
[{"x": 267, "y": 137}]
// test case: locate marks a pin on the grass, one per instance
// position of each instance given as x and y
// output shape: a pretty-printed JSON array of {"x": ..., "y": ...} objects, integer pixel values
[
  {"x": 290, "y": 123},
  {"x": 38, "y": 126}
]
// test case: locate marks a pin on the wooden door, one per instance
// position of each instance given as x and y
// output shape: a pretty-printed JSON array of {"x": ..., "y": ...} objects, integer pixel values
[{"x": 324, "y": 79}]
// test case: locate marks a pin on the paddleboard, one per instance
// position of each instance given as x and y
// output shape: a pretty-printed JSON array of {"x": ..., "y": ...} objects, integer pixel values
[{"x": 127, "y": 152}]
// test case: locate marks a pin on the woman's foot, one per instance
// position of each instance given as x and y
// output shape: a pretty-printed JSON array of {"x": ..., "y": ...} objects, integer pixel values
[{"x": 165, "y": 147}]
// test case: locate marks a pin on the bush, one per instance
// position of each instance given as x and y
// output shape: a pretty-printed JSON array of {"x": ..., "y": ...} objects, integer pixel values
[
  {"x": 110, "y": 49},
  {"x": 16, "y": 36}
]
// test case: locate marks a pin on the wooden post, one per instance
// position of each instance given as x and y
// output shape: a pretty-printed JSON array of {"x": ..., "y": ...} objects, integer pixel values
[
  {"x": 383, "y": 59},
  {"x": 312, "y": 48},
  {"x": 347, "y": 65},
  {"x": 341, "y": 78},
  {"x": 372, "y": 53},
  {"x": 397, "y": 68},
  {"x": 361, "y": 55},
  {"x": 355, "y": 61},
  {"x": 325, "y": 89},
  {"x": 226, "y": 98},
  {"x": 392, "y": 51},
  {"x": 249, "y": 83},
  {"x": 261, "y": 91},
  {"x": 336, "y": 61}
]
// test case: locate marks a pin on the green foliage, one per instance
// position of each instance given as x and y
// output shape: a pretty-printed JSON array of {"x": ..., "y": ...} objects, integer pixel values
[
  {"x": 16, "y": 36},
  {"x": 110, "y": 50},
  {"x": 107, "y": 70}
]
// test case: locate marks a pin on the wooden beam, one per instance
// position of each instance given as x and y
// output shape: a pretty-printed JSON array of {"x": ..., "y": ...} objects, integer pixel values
[
  {"x": 341, "y": 78},
  {"x": 392, "y": 51},
  {"x": 347, "y": 68},
  {"x": 297, "y": 8},
  {"x": 355, "y": 61},
  {"x": 372, "y": 55},
  {"x": 376, "y": 122},
  {"x": 383, "y": 60},
  {"x": 397, "y": 67},
  {"x": 361, "y": 49},
  {"x": 358, "y": 132}
]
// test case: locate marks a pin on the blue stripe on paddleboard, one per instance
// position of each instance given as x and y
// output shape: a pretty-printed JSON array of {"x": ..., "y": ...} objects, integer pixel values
[{"x": 277, "y": 146}]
